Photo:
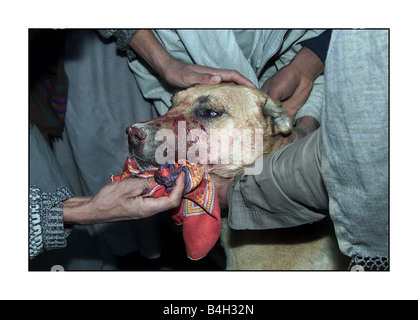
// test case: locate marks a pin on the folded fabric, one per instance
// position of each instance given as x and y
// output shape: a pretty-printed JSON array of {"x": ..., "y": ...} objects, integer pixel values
[{"x": 199, "y": 212}]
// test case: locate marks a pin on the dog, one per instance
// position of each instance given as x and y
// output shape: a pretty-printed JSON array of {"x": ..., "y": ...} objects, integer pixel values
[
  {"x": 226, "y": 128},
  {"x": 228, "y": 112}
]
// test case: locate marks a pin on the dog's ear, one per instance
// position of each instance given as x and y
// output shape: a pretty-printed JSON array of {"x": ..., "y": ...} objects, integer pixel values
[{"x": 276, "y": 117}]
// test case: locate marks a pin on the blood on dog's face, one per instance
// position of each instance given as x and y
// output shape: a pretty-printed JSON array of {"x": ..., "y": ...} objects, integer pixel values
[{"x": 221, "y": 127}]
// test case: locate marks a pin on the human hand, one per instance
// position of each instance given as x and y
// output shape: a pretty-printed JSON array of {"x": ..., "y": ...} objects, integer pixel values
[
  {"x": 290, "y": 87},
  {"x": 184, "y": 75},
  {"x": 293, "y": 83},
  {"x": 119, "y": 201},
  {"x": 175, "y": 72},
  {"x": 303, "y": 127}
]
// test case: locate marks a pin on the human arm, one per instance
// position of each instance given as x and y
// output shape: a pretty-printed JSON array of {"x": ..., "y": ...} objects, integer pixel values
[
  {"x": 288, "y": 192},
  {"x": 299, "y": 82},
  {"x": 289, "y": 162},
  {"x": 177, "y": 73},
  {"x": 51, "y": 214},
  {"x": 119, "y": 201},
  {"x": 46, "y": 224},
  {"x": 293, "y": 83}
]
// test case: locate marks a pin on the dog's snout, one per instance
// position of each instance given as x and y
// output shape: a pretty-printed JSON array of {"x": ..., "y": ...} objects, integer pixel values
[{"x": 136, "y": 134}]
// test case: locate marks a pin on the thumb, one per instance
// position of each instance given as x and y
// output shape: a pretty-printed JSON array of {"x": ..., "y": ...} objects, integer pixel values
[
  {"x": 215, "y": 79},
  {"x": 179, "y": 187},
  {"x": 203, "y": 78},
  {"x": 265, "y": 86}
]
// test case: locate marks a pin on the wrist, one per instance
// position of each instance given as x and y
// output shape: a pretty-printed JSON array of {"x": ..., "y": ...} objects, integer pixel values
[
  {"x": 76, "y": 210},
  {"x": 166, "y": 68},
  {"x": 307, "y": 63}
]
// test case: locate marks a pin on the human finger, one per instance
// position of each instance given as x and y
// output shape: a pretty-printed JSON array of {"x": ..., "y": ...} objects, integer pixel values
[
  {"x": 265, "y": 86},
  {"x": 151, "y": 206},
  {"x": 177, "y": 191},
  {"x": 236, "y": 77},
  {"x": 193, "y": 78},
  {"x": 226, "y": 75},
  {"x": 134, "y": 186},
  {"x": 298, "y": 98}
]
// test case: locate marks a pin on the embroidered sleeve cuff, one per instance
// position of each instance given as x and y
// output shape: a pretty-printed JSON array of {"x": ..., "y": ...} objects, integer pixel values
[
  {"x": 123, "y": 37},
  {"x": 46, "y": 220},
  {"x": 53, "y": 230},
  {"x": 376, "y": 263}
]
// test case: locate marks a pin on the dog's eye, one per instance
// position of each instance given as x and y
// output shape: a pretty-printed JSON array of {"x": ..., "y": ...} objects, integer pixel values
[{"x": 209, "y": 113}]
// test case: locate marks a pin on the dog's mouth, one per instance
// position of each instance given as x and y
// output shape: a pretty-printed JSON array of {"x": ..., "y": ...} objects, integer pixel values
[{"x": 143, "y": 164}]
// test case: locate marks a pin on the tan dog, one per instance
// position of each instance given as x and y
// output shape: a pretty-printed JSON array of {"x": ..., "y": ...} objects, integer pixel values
[
  {"x": 193, "y": 129},
  {"x": 230, "y": 115}
]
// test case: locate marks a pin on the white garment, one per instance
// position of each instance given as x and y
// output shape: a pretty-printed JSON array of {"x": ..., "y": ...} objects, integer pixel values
[{"x": 256, "y": 54}]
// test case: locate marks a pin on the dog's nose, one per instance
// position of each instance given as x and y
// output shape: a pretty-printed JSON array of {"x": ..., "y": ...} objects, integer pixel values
[{"x": 136, "y": 134}]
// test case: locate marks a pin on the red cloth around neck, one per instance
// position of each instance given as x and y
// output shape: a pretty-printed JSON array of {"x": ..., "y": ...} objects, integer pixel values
[{"x": 199, "y": 212}]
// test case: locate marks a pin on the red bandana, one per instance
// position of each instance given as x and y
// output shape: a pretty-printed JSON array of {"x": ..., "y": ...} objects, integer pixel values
[{"x": 199, "y": 211}]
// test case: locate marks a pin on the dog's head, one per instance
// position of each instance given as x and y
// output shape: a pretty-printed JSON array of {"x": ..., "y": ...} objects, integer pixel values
[{"x": 222, "y": 127}]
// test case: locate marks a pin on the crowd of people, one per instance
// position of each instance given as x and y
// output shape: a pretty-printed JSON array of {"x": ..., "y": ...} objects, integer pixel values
[{"x": 333, "y": 84}]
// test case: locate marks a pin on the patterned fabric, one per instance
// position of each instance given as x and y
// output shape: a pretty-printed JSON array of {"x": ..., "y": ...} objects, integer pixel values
[
  {"x": 46, "y": 223},
  {"x": 123, "y": 37},
  {"x": 199, "y": 212},
  {"x": 369, "y": 264}
]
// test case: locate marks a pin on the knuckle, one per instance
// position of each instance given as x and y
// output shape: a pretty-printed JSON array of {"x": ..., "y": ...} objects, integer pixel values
[
  {"x": 175, "y": 202},
  {"x": 235, "y": 74}
]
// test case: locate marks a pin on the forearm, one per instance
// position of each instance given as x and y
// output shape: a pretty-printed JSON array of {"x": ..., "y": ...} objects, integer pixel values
[
  {"x": 319, "y": 44},
  {"x": 119, "y": 201},
  {"x": 296, "y": 85},
  {"x": 308, "y": 63},
  {"x": 147, "y": 46},
  {"x": 87, "y": 210},
  {"x": 313, "y": 105},
  {"x": 76, "y": 210},
  {"x": 310, "y": 67}
]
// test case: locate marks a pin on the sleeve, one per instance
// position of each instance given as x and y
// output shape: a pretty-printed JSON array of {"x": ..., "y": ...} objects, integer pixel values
[
  {"x": 46, "y": 223},
  {"x": 288, "y": 192},
  {"x": 122, "y": 38},
  {"x": 319, "y": 44}
]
